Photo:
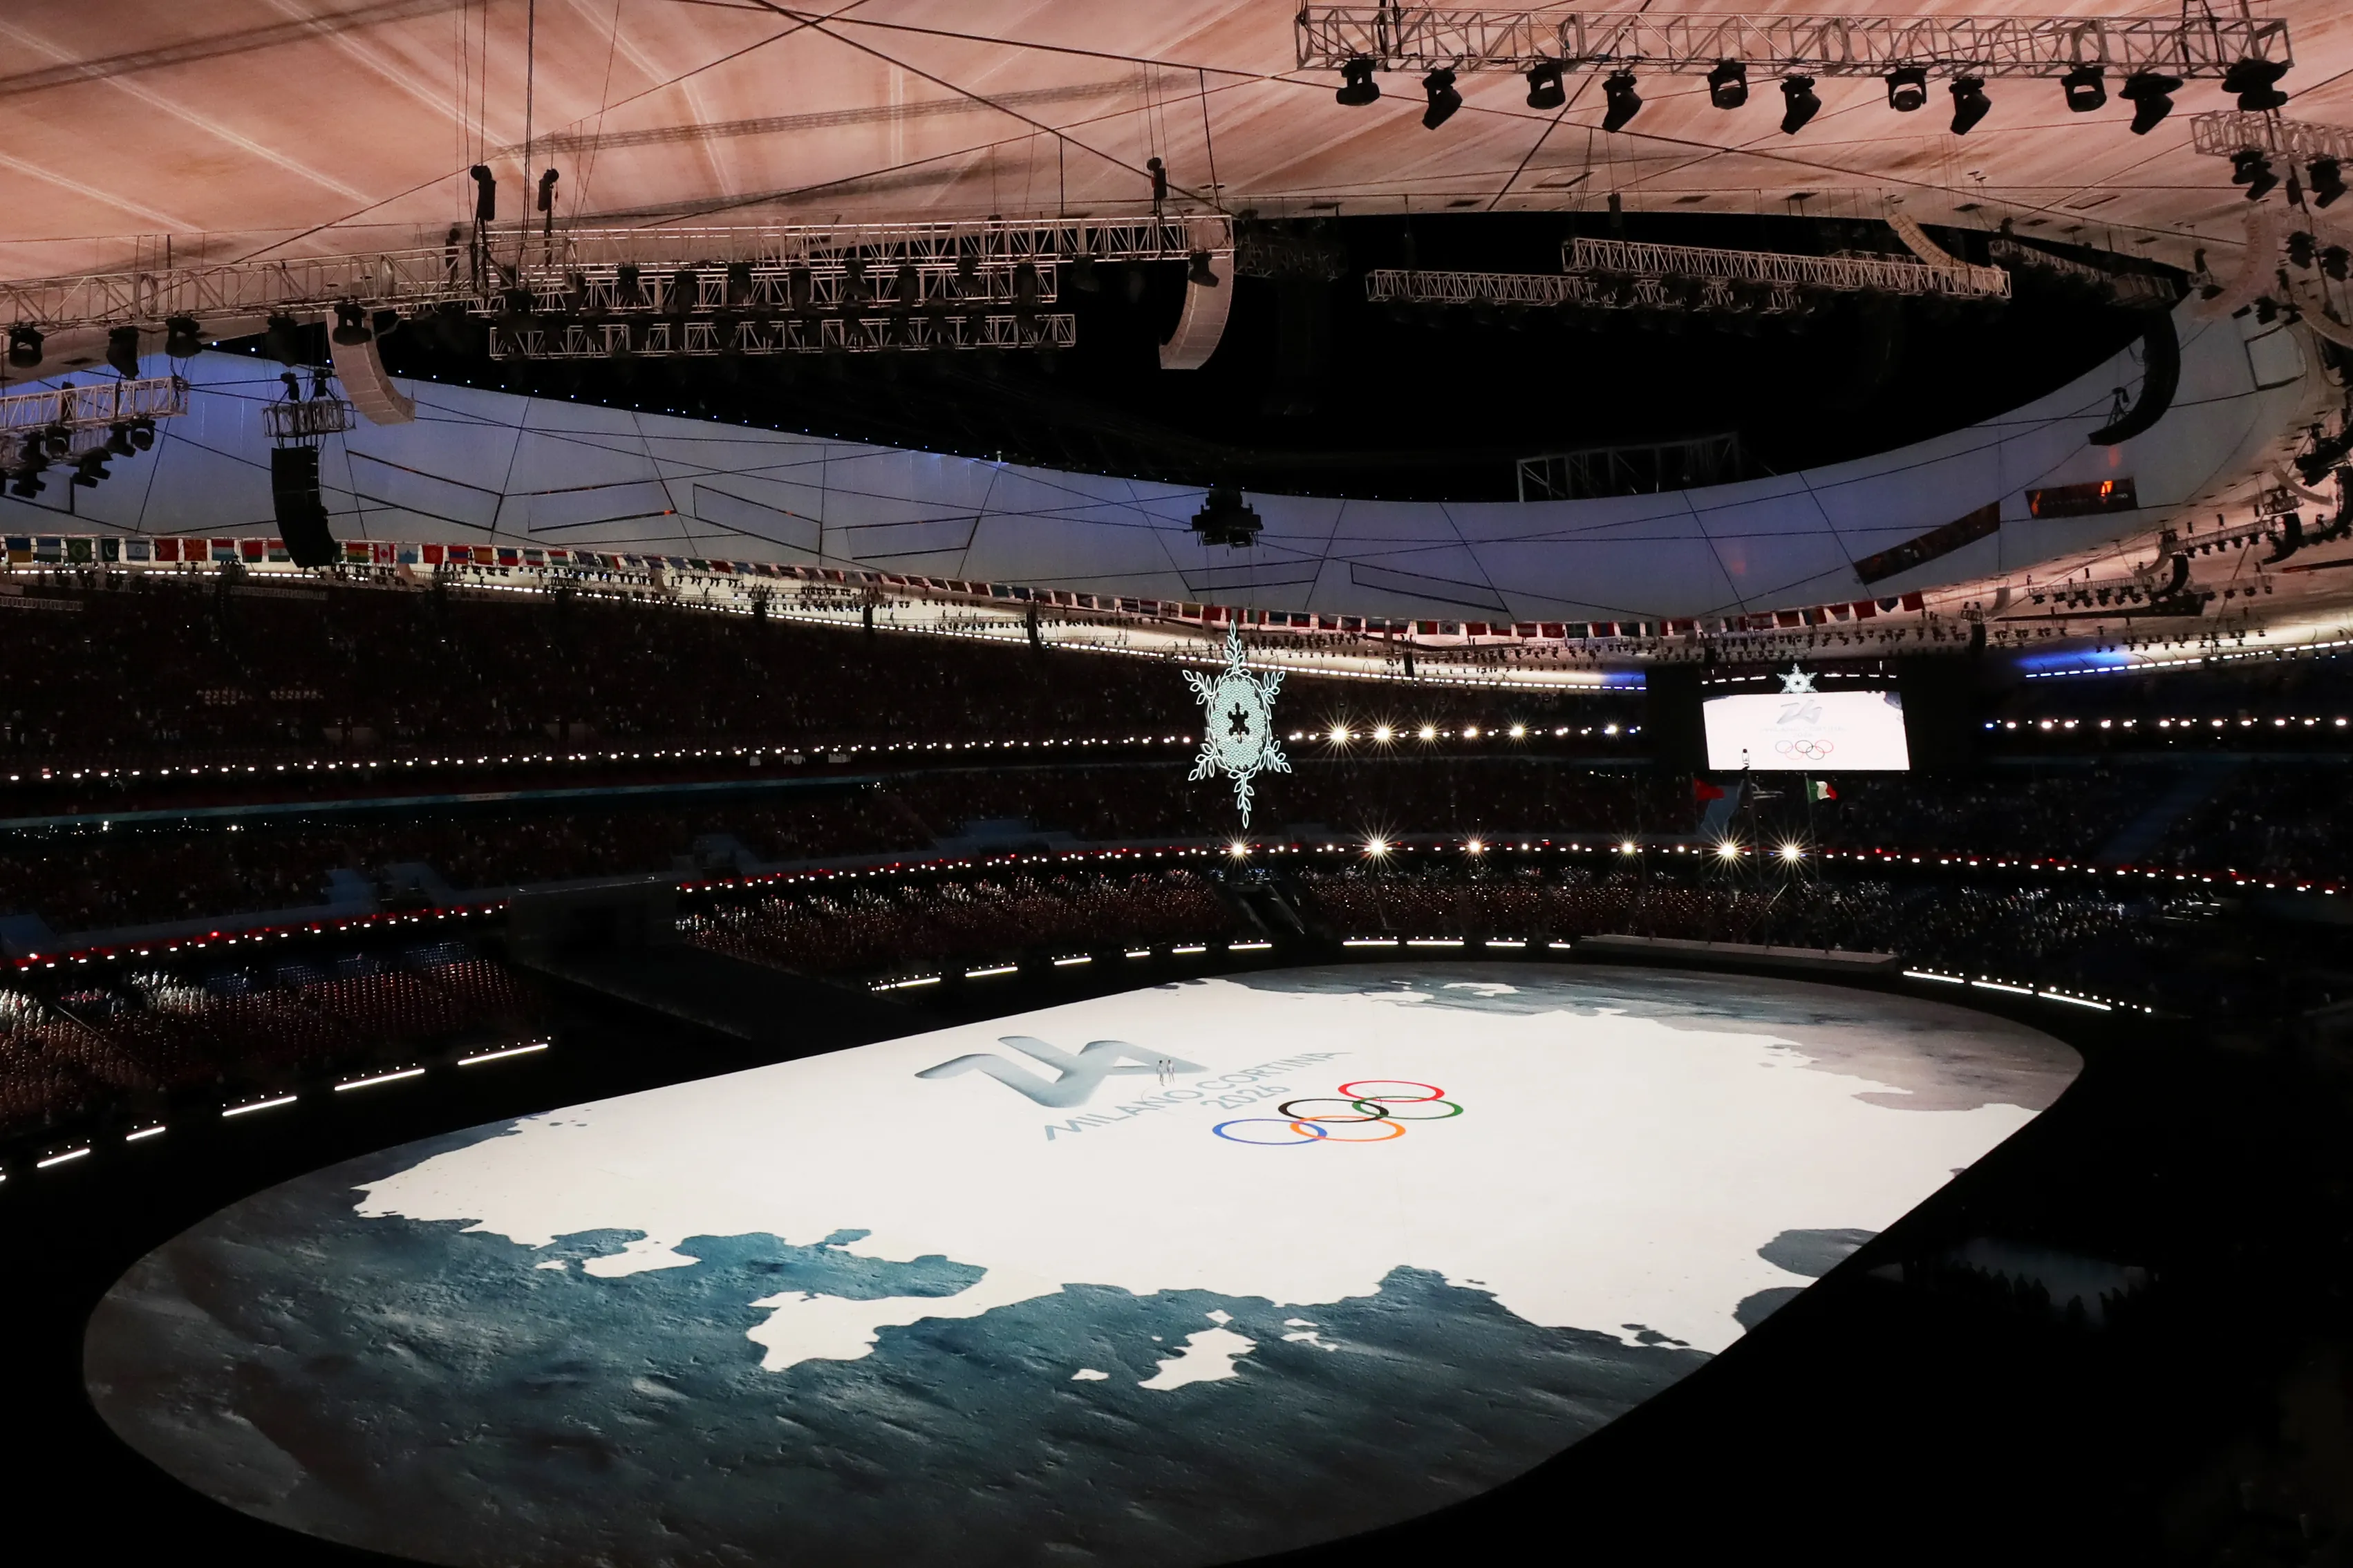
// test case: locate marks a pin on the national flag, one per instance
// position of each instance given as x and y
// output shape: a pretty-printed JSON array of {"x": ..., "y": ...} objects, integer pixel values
[
  {"x": 1703, "y": 790},
  {"x": 1820, "y": 789}
]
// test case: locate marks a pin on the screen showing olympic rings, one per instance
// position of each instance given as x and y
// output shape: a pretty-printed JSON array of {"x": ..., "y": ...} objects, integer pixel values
[
  {"x": 1806, "y": 731},
  {"x": 1370, "y": 1111}
]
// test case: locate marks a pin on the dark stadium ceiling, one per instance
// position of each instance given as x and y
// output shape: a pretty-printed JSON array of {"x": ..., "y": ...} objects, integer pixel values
[{"x": 258, "y": 127}]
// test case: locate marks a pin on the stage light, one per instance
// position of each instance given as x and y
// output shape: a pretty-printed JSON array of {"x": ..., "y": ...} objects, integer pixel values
[
  {"x": 2300, "y": 249},
  {"x": 1357, "y": 87},
  {"x": 1624, "y": 101},
  {"x": 2333, "y": 263},
  {"x": 2326, "y": 178},
  {"x": 1727, "y": 84},
  {"x": 1519, "y": 731},
  {"x": 122, "y": 351},
  {"x": 1544, "y": 91},
  {"x": 485, "y": 193},
  {"x": 1428, "y": 733},
  {"x": 1727, "y": 850},
  {"x": 1377, "y": 847},
  {"x": 2151, "y": 95},
  {"x": 2251, "y": 168},
  {"x": 1438, "y": 88},
  {"x": 24, "y": 347},
  {"x": 351, "y": 325},
  {"x": 2084, "y": 88},
  {"x": 2255, "y": 82},
  {"x": 1969, "y": 103},
  {"x": 182, "y": 338},
  {"x": 1907, "y": 88},
  {"x": 1197, "y": 270},
  {"x": 1800, "y": 103},
  {"x": 1339, "y": 735},
  {"x": 1382, "y": 732},
  {"x": 118, "y": 440},
  {"x": 90, "y": 467},
  {"x": 283, "y": 339},
  {"x": 1238, "y": 849},
  {"x": 1792, "y": 853},
  {"x": 1627, "y": 847},
  {"x": 142, "y": 433},
  {"x": 1476, "y": 846}
]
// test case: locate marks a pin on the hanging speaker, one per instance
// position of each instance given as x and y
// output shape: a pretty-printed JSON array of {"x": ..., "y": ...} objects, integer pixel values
[{"x": 301, "y": 513}]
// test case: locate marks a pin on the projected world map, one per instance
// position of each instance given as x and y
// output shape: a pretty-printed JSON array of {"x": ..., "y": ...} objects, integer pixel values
[{"x": 1175, "y": 1277}]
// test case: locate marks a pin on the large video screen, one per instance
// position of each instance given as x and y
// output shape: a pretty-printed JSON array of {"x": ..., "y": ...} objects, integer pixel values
[{"x": 1810, "y": 732}]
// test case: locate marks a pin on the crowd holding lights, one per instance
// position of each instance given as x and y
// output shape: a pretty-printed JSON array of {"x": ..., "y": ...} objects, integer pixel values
[{"x": 2241, "y": 722}]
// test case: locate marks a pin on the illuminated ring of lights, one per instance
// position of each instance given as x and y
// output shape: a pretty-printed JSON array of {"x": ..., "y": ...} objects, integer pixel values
[
  {"x": 1309, "y": 1132},
  {"x": 1376, "y": 1114},
  {"x": 1453, "y": 1110},
  {"x": 1395, "y": 1130},
  {"x": 1349, "y": 1091}
]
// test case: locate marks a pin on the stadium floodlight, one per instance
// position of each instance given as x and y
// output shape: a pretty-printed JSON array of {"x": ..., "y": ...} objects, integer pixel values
[
  {"x": 1625, "y": 103},
  {"x": 1545, "y": 89},
  {"x": 1800, "y": 103},
  {"x": 2251, "y": 168},
  {"x": 2326, "y": 177},
  {"x": 1475, "y": 846},
  {"x": 1238, "y": 849},
  {"x": 1383, "y": 732},
  {"x": 2256, "y": 83},
  {"x": 1792, "y": 853},
  {"x": 2151, "y": 95},
  {"x": 1907, "y": 88},
  {"x": 1969, "y": 103},
  {"x": 1438, "y": 88},
  {"x": 1376, "y": 846},
  {"x": 1428, "y": 733},
  {"x": 1727, "y": 850},
  {"x": 1519, "y": 731},
  {"x": 1727, "y": 84},
  {"x": 1357, "y": 87},
  {"x": 1627, "y": 847},
  {"x": 1338, "y": 735},
  {"x": 2085, "y": 88}
]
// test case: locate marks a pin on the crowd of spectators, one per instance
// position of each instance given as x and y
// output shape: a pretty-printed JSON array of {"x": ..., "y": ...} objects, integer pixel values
[{"x": 128, "y": 1049}]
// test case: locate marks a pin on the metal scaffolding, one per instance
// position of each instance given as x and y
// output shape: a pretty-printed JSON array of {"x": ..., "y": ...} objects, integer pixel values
[
  {"x": 2229, "y": 131},
  {"x": 93, "y": 406},
  {"x": 1420, "y": 38},
  {"x": 952, "y": 258},
  {"x": 706, "y": 337},
  {"x": 1842, "y": 274},
  {"x": 1391, "y": 285}
]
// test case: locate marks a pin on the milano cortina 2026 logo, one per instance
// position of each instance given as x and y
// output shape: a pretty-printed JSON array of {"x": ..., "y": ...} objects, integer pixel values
[{"x": 1371, "y": 1110}]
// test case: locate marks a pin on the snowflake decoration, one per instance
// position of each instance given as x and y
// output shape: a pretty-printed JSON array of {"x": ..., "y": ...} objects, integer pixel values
[
  {"x": 1796, "y": 682},
  {"x": 1237, "y": 723}
]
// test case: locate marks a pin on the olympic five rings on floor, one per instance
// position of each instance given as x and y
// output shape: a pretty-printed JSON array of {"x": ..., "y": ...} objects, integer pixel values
[{"x": 1368, "y": 1098}]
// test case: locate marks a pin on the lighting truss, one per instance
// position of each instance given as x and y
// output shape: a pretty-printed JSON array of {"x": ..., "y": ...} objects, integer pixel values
[
  {"x": 1391, "y": 285},
  {"x": 94, "y": 406},
  {"x": 700, "y": 338},
  {"x": 306, "y": 418},
  {"x": 1843, "y": 274},
  {"x": 1421, "y": 38},
  {"x": 2136, "y": 288},
  {"x": 2229, "y": 131},
  {"x": 425, "y": 278}
]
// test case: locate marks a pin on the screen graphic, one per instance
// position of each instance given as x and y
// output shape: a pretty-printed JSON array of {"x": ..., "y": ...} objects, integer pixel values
[
  {"x": 1806, "y": 731},
  {"x": 1169, "y": 1279}
]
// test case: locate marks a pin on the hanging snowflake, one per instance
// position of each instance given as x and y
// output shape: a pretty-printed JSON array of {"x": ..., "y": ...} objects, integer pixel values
[{"x": 1238, "y": 723}]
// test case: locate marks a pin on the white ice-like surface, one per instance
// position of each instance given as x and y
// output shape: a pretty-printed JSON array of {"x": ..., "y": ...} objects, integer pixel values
[
  {"x": 1607, "y": 1169},
  {"x": 1208, "y": 1356}
]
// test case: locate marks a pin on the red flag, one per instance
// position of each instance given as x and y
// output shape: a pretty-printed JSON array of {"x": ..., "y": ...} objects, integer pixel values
[{"x": 1703, "y": 790}]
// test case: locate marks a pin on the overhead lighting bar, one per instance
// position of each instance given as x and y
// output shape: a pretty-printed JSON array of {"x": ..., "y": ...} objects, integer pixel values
[
  {"x": 94, "y": 406},
  {"x": 704, "y": 337},
  {"x": 1422, "y": 38},
  {"x": 2229, "y": 131},
  {"x": 420, "y": 278},
  {"x": 1843, "y": 273}
]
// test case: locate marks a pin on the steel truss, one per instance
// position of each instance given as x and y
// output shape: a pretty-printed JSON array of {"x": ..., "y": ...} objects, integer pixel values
[
  {"x": 2228, "y": 132},
  {"x": 697, "y": 338},
  {"x": 1843, "y": 274},
  {"x": 94, "y": 406},
  {"x": 2142, "y": 288},
  {"x": 474, "y": 275},
  {"x": 306, "y": 419},
  {"x": 1390, "y": 285},
  {"x": 1420, "y": 38}
]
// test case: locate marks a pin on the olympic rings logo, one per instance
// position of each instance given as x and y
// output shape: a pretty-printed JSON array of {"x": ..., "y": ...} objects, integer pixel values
[
  {"x": 1369, "y": 1102},
  {"x": 1814, "y": 749}
]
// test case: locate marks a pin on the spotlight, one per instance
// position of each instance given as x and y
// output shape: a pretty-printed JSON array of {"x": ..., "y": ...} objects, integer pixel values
[
  {"x": 1544, "y": 91},
  {"x": 1377, "y": 847},
  {"x": 1226, "y": 518},
  {"x": 1792, "y": 853},
  {"x": 1357, "y": 87},
  {"x": 1083, "y": 274},
  {"x": 2333, "y": 263},
  {"x": 628, "y": 293},
  {"x": 1727, "y": 84},
  {"x": 1427, "y": 732},
  {"x": 351, "y": 325},
  {"x": 24, "y": 347},
  {"x": 1627, "y": 847},
  {"x": 2084, "y": 88},
  {"x": 2326, "y": 178},
  {"x": 2300, "y": 249},
  {"x": 1197, "y": 270},
  {"x": 182, "y": 338},
  {"x": 118, "y": 440},
  {"x": 1475, "y": 846},
  {"x": 1907, "y": 88},
  {"x": 1383, "y": 732},
  {"x": 485, "y": 193},
  {"x": 142, "y": 433},
  {"x": 1238, "y": 849},
  {"x": 284, "y": 340},
  {"x": 90, "y": 467},
  {"x": 1969, "y": 103},
  {"x": 2151, "y": 95},
  {"x": 122, "y": 351},
  {"x": 56, "y": 442},
  {"x": 1801, "y": 105},
  {"x": 2249, "y": 168},
  {"x": 2254, "y": 81},
  {"x": 1339, "y": 735},
  {"x": 1727, "y": 850},
  {"x": 1624, "y": 101},
  {"x": 1438, "y": 88}
]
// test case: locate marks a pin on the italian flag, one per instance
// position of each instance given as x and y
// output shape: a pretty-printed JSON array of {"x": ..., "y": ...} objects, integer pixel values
[{"x": 1820, "y": 789}]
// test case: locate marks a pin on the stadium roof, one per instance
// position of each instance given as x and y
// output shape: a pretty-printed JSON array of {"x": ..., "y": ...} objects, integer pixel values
[{"x": 282, "y": 126}]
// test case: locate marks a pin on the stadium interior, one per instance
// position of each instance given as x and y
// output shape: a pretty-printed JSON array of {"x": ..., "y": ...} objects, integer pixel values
[{"x": 559, "y": 548}]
